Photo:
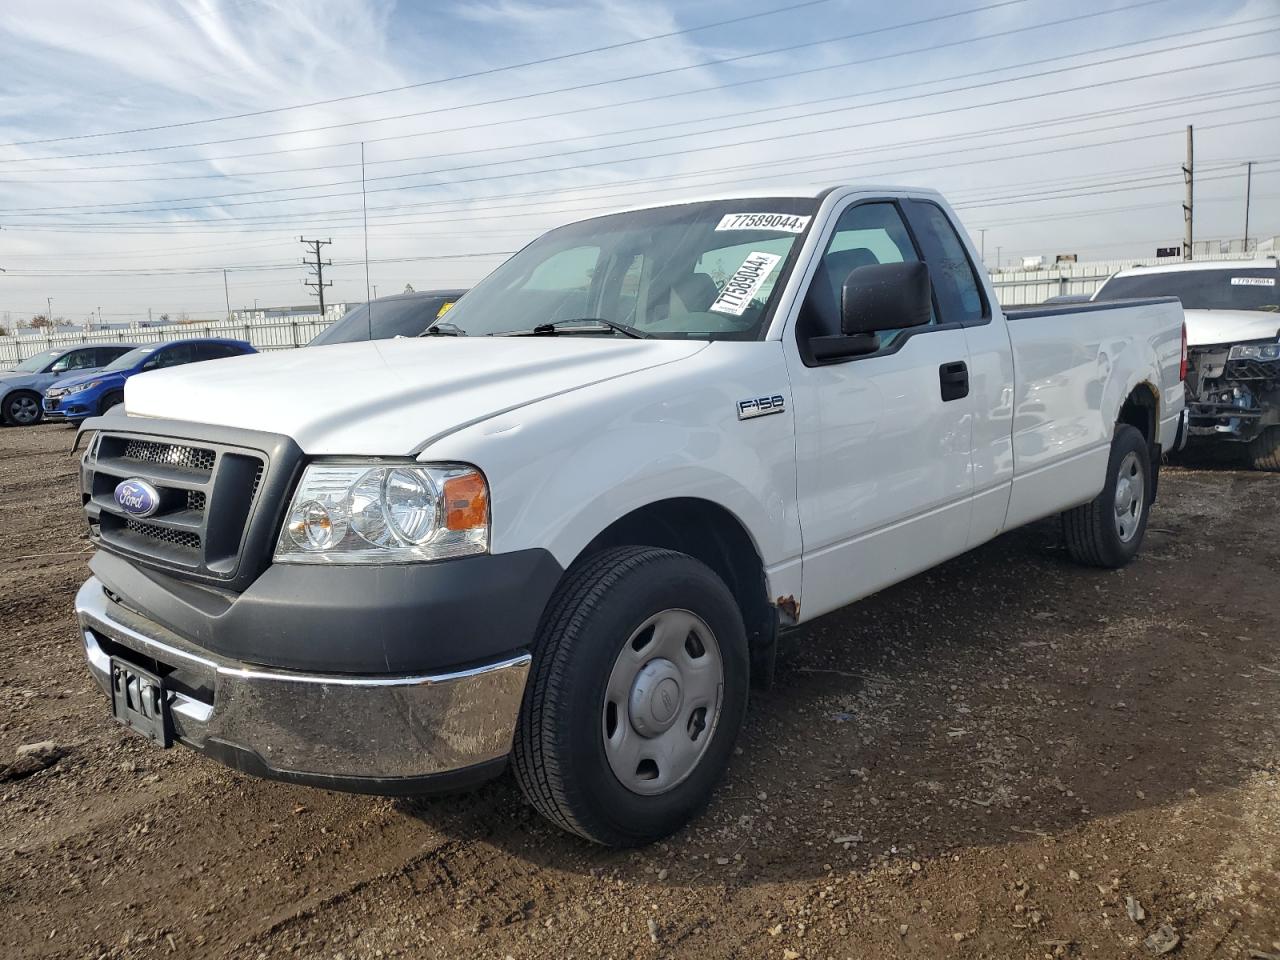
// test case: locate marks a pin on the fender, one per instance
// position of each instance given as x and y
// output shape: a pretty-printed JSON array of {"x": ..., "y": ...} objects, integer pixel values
[{"x": 564, "y": 468}]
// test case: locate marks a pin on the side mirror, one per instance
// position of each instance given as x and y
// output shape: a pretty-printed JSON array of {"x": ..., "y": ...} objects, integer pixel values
[{"x": 885, "y": 296}]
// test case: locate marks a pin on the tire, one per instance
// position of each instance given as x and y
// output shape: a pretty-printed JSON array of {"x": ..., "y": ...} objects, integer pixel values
[
  {"x": 112, "y": 399},
  {"x": 22, "y": 409},
  {"x": 1101, "y": 534},
  {"x": 1264, "y": 450},
  {"x": 571, "y": 737}
]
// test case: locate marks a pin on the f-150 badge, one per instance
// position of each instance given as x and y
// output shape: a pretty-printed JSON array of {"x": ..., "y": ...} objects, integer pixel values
[{"x": 760, "y": 407}]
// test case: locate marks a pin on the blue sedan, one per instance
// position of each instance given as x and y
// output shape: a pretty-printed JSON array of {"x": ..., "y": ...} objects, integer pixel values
[
  {"x": 89, "y": 395},
  {"x": 22, "y": 387}
]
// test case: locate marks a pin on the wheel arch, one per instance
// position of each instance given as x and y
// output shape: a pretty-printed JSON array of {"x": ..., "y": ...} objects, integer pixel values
[
  {"x": 1141, "y": 410},
  {"x": 714, "y": 535}
]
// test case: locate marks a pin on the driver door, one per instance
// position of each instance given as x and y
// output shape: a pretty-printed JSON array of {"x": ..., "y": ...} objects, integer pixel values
[{"x": 884, "y": 461}]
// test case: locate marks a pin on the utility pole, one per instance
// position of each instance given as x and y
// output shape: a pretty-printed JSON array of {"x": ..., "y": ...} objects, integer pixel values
[
  {"x": 997, "y": 259},
  {"x": 1188, "y": 205},
  {"x": 317, "y": 267},
  {"x": 1248, "y": 189},
  {"x": 48, "y": 310},
  {"x": 226, "y": 292},
  {"x": 99, "y": 316}
]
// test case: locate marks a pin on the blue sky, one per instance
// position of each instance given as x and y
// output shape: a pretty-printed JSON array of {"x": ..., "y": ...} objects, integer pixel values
[{"x": 1020, "y": 120}]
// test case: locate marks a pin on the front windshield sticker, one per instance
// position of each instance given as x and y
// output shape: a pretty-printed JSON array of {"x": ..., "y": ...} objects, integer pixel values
[
  {"x": 763, "y": 221},
  {"x": 1253, "y": 281},
  {"x": 746, "y": 280}
]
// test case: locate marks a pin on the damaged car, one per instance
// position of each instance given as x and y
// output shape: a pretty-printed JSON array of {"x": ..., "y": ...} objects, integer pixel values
[{"x": 1232, "y": 312}]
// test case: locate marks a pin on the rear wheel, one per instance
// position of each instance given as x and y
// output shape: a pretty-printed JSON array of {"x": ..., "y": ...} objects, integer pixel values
[
  {"x": 1108, "y": 530},
  {"x": 22, "y": 408},
  {"x": 638, "y": 688},
  {"x": 1264, "y": 450}
]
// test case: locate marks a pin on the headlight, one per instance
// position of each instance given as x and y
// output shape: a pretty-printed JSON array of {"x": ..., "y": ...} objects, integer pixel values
[
  {"x": 1255, "y": 351},
  {"x": 81, "y": 387},
  {"x": 385, "y": 513}
]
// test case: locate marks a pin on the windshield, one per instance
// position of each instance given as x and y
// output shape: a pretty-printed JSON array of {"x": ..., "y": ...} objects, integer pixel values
[
  {"x": 399, "y": 317},
  {"x": 701, "y": 270},
  {"x": 127, "y": 361},
  {"x": 1253, "y": 288},
  {"x": 37, "y": 363}
]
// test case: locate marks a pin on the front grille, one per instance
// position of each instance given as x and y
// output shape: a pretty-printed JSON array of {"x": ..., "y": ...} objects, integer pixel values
[
  {"x": 205, "y": 495},
  {"x": 178, "y": 538},
  {"x": 179, "y": 456}
]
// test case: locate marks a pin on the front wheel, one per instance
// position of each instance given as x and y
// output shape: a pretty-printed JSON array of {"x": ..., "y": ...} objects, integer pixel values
[
  {"x": 1264, "y": 450},
  {"x": 1108, "y": 530},
  {"x": 638, "y": 689},
  {"x": 22, "y": 409},
  {"x": 112, "y": 399}
]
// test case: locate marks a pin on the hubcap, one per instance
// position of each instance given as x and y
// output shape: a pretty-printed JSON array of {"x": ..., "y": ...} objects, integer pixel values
[
  {"x": 1131, "y": 489},
  {"x": 662, "y": 702},
  {"x": 24, "y": 410}
]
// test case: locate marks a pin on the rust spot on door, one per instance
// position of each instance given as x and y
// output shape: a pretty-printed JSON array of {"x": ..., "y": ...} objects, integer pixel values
[{"x": 789, "y": 607}]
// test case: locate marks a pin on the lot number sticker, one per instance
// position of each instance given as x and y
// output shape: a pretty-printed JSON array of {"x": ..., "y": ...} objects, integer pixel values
[
  {"x": 786, "y": 222},
  {"x": 746, "y": 280},
  {"x": 1253, "y": 281}
]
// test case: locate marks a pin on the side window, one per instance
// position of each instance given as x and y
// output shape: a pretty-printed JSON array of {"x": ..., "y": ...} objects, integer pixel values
[
  {"x": 104, "y": 355},
  {"x": 62, "y": 364},
  {"x": 954, "y": 281},
  {"x": 170, "y": 357},
  {"x": 213, "y": 351},
  {"x": 865, "y": 234},
  {"x": 81, "y": 359}
]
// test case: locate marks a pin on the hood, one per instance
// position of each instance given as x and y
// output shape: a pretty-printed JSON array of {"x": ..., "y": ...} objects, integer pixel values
[
  {"x": 11, "y": 378},
  {"x": 388, "y": 397},
  {"x": 80, "y": 378},
  {"x": 1210, "y": 327}
]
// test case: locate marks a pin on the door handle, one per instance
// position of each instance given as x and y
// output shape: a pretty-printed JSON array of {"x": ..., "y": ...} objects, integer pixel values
[{"x": 954, "y": 380}]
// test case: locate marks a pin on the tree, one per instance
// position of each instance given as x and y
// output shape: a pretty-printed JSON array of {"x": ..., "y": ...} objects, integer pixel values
[
  {"x": 164, "y": 318},
  {"x": 40, "y": 320},
  {"x": 408, "y": 288}
]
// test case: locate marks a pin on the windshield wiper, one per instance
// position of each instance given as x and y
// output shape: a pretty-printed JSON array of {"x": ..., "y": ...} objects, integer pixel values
[
  {"x": 442, "y": 328},
  {"x": 552, "y": 329}
]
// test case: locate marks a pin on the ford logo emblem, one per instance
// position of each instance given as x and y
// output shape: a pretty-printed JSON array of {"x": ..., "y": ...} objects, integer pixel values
[{"x": 137, "y": 497}]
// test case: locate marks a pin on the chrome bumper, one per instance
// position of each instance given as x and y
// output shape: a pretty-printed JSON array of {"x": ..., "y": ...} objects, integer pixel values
[
  {"x": 346, "y": 732},
  {"x": 1184, "y": 431}
]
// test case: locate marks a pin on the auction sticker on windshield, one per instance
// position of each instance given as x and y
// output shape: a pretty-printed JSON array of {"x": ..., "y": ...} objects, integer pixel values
[
  {"x": 746, "y": 281},
  {"x": 1253, "y": 281},
  {"x": 787, "y": 222}
]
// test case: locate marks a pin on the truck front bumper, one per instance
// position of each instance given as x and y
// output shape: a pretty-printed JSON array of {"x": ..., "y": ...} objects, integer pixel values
[{"x": 397, "y": 734}]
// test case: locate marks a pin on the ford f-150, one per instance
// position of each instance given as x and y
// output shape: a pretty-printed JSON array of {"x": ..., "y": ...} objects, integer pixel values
[{"x": 566, "y": 529}]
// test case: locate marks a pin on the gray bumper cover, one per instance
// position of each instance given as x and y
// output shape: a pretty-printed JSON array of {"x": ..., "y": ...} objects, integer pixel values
[{"x": 379, "y": 734}]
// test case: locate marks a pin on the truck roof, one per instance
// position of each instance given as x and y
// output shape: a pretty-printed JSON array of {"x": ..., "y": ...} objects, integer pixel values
[
  {"x": 1262, "y": 263},
  {"x": 807, "y": 190}
]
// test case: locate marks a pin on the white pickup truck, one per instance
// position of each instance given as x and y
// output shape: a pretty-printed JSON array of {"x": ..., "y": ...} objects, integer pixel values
[
  {"x": 566, "y": 528},
  {"x": 1233, "y": 347}
]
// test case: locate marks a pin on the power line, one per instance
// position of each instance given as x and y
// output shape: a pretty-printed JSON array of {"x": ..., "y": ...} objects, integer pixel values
[
  {"x": 697, "y": 120},
  {"x": 613, "y": 104},
  {"x": 613, "y": 161},
  {"x": 467, "y": 204},
  {"x": 464, "y": 76}
]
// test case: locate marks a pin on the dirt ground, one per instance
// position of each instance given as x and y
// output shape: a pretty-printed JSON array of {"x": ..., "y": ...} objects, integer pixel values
[{"x": 986, "y": 761}]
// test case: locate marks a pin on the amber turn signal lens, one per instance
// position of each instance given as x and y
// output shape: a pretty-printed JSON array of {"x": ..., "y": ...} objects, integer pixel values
[{"x": 466, "y": 502}]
